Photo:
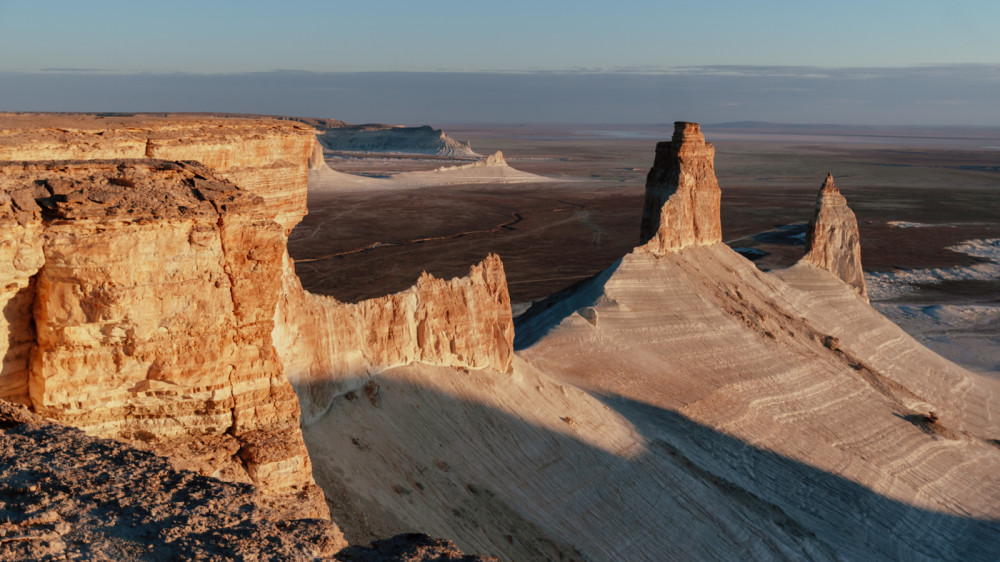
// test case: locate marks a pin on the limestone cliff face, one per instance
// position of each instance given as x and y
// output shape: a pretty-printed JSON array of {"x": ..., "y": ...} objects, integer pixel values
[
  {"x": 329, "y": 347},
  {"x": 153, "y": 298},
  {"x": 270, "y": 158},
  {"x": 20, "y": 258},
  {"x": 154, "y": 301},
  {"x": 682, "y": 194},
  {"x": 832, "y": 239}
]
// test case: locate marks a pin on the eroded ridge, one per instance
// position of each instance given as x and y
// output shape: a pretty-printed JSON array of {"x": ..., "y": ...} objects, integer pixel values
[{"x": 330, "y": 347}]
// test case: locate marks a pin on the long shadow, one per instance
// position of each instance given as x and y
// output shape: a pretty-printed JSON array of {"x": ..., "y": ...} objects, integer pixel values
[
  {"x": 693, "y": 493},
  {"x": 547, "y": 313},
  {"x": 840, "y": 512},
  {"x": 17, "y": 313}
]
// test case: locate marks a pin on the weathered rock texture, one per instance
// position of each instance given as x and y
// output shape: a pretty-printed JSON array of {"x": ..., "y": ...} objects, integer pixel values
[
  {"x": 832, "y": 240},
  {"x": 267, "y": 157},
  {"x": 20, "y": 258},
  {"x": 64, "y": 494},
  {"x": 328, "y": 347},
  {"x": 682, "y": 194},
  {"x": 154, "y": 301},
  {"x": 153, "y": 306}
]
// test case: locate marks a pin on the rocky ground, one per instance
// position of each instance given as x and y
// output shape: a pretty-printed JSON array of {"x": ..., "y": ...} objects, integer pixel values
[{"x": 65, "y": 495}]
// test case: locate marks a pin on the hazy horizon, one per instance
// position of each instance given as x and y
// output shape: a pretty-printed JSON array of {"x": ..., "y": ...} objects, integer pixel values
[
  {"x": 637, "y": 61},
  {"x": 947, "y": 95}
]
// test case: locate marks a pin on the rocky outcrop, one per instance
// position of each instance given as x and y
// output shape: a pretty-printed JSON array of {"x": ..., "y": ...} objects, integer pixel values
[
  {"x": 20, "y": 259},
  {"x": 329, "y": 347},
  {"x": 395, "y": 140},
  {"x": 316, "y": 159},
  {"x": 682, "y": 194},
  {"x": 152, "y": 301},
  {"x": 270, "y": 158},
  {"x": 832, "y": 239},
  {"x": 64, "y": 494}
]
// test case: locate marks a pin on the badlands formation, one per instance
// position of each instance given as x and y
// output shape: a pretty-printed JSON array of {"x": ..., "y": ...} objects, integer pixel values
[
  {"x": 492, "y": 169},
  {"x": 393, "y": 140},
  {"x": 680, "y": 405}
]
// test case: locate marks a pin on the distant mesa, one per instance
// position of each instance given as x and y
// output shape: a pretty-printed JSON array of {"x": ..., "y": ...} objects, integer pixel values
[
  {"x": 492, "y": 169},
  {"x": 390, "y": 139}
]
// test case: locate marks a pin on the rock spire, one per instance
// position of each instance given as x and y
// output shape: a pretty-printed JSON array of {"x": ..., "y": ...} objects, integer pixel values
[
  {"x": 682, "y": 194},
  {"x": 832, "y": 240}
]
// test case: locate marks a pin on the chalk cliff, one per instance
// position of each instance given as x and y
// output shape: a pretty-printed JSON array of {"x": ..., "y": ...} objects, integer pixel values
[
  {"x": 152, "y": 306},
  {"x": 270, "y": 159},
  {"x": 832, "y": 239},
  {"x": 154, "y": 301},
  {"x": 682, "y": 194},
  {"x": 330, "y": 348}
]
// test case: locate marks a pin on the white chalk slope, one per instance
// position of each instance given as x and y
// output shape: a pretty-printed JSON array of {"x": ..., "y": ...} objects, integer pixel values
[
  {"x": 680, "y": 405},
  {"x": 692, "y": 408},
  {"x": 492, "y": 170}
]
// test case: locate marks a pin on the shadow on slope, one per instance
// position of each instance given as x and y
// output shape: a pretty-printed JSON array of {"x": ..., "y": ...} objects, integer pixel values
[
  {"x": 546, "y": 314},
  {"x": 522, "y": 467}
]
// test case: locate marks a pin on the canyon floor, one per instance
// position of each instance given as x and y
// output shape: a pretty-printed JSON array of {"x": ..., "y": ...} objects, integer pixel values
[{"x": 916, "y": 193}]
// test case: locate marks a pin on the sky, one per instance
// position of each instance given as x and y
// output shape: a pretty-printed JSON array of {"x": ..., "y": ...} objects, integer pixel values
[{"x": 895, "y": 62}]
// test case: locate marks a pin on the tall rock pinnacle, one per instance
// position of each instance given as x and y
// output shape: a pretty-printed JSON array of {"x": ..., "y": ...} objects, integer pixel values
[
  {"x": 832, "y": 241},
  {"x": 682, "y": 194}
]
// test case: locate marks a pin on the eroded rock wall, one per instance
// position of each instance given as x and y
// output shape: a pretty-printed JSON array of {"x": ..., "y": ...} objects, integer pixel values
[
  {"x": 154, "y": 301},
  {"x": 682, "y": 194},
  {"x": 20, "y": 259},
  {"x": 268, "y": 157},
  {"x": 832, "y": 239},
  {"x": 152, "y": 307},
  {"x": 329, "y": 347}
]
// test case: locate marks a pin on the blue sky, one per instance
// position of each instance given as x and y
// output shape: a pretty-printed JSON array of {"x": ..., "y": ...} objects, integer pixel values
[{"x": 207, "y": 45}]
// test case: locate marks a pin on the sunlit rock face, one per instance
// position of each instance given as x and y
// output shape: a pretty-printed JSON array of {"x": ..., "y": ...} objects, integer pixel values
[
  {"x": 151, "y": 310},
  {"x": 832, "y": 240},
  {"x": 154, "y": 301},
  {"x": 682, "y": 194},
  {"x": 328, "y": 347},
  {"x": 267, "y": 157}
]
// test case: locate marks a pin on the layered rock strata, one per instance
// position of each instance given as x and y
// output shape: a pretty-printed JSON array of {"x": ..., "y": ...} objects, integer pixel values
[
  {"x": 832, "y": 239},
  {"x": 20, "y": 259},
  {"x": 329, "y": 347},
  {"x": 682, "y": 194},
  {"x": 165, "y": 301},
  {"x": 267, "y": 157},
  {"x": 153, "y": 298},
  {"x": 397, "y": 140}
]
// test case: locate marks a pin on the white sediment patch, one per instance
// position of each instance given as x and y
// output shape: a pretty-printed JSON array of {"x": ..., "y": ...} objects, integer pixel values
[
  {"x": 885, "y": 285},
  {"x": 966, "y": 334}
]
